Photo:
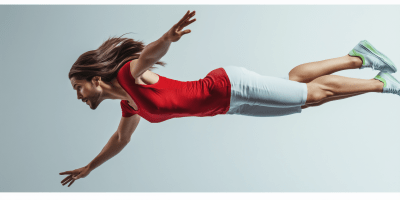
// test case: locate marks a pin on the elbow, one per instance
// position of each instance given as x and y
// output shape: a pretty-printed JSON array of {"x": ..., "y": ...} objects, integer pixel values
[{"x": 124, "y": 140}]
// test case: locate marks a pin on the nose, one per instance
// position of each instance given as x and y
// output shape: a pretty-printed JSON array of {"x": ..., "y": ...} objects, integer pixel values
[{"x": 79, "y": 96}]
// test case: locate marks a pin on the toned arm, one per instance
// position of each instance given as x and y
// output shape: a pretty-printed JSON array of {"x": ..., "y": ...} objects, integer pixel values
[
  {"x": 127, "y": 126},
  {"x": 117, "y": 141},
  {"x": 151, "y": 54}
]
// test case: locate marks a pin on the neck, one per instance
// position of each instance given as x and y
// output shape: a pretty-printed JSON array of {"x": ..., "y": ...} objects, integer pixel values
[{"x": 114, "y": 91}]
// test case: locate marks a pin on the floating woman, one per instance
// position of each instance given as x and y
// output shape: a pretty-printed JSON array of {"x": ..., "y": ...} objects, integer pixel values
[{"x": 121, "y": 69}]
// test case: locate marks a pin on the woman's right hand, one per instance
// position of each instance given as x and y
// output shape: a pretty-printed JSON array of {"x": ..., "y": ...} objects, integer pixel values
[
  {"x": 75, "y": 175},
  {"x": 175, "y": 33}
]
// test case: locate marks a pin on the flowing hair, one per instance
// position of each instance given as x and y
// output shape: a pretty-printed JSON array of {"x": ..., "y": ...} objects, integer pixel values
[{"x": 108, "y": 59}]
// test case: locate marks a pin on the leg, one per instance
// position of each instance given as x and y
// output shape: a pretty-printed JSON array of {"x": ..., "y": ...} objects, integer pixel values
[
  {"x": 248, "y": 87},
  {"x": 328, "y": 99},
  {"x": 309, "y": 71},
  {"x": 333, "y": 86}
]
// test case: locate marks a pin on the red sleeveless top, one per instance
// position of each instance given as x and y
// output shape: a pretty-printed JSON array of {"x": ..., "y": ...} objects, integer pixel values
[{"x": 169, "y": 98}]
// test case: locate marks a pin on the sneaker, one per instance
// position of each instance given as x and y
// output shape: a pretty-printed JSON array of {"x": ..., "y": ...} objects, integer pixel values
[
  {"x": 390, "y": 83},
  {"x": 371, "y": 57}
]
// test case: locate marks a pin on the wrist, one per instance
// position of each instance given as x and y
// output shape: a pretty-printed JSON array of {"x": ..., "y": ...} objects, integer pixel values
[
  {"x": 90, "y": 167},
  {"x": 165, "y": 38}
]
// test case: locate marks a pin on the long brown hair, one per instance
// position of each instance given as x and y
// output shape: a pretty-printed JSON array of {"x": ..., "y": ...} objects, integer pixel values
[{"x": 108, "y": 59}]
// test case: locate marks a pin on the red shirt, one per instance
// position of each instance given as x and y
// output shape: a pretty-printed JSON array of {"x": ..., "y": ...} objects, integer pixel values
[{"x": 169, "y": 98}]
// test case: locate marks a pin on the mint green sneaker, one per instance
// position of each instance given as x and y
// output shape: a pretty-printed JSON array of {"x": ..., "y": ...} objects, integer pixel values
[
  {"x": 390, "y": 83},
  {"x": 371, "y": 57}
]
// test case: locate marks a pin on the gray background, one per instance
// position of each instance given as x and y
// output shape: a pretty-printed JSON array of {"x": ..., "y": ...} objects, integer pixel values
[{"x": 350, "y": 145}]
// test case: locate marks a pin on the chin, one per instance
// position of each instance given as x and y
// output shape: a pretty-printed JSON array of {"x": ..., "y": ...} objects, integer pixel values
[{"x": 93, "y": 106}]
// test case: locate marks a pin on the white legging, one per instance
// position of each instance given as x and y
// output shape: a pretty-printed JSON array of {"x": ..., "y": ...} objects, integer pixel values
[{"x": 257, "y": 95}]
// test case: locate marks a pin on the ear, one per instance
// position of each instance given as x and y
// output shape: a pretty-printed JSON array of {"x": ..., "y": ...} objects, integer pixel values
[{"x": 96, "y": 80}]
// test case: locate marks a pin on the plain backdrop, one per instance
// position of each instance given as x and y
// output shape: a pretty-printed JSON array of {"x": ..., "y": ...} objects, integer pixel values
[{"x": 349, "y": 145}]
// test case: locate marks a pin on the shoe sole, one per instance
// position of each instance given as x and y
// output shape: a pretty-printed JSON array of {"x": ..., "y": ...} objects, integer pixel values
[{"x": 368, "y": 47}]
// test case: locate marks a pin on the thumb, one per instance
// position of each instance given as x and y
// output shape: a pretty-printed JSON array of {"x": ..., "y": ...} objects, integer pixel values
[
  {"x": 186, "y": 31},
  {"x": 76, "y": 177}
]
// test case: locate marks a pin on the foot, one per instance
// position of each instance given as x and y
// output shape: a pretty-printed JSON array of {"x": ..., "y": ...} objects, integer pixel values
[
  {"x": 390, "y": 83},
  {"x": 372, "y": 58}
]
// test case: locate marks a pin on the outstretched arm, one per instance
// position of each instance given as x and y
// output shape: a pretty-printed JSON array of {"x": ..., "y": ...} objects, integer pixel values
[
  {"x": 112, "y": 148},
  {"x": 115, "y": 145},
  {"x": 154, "y": 51},
  {"x": 117, "y": 141}
]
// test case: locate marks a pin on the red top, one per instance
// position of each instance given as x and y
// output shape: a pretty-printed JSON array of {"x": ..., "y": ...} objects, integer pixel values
[{"x": 169, "y": 98}]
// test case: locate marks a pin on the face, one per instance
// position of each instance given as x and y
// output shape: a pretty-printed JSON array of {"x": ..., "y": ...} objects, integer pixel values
[{"x": 88, "y": 92}]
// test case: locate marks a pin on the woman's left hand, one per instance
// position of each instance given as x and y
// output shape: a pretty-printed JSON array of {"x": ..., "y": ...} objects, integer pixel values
[{"x": 175, "y": 33}]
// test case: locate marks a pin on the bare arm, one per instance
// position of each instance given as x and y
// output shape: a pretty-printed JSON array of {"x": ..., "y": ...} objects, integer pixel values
[
  {"x": 157, "y": 49},
  {"x": 117, "y": 141},
  {"x": 112, "y": 148},
  {"x": 151, "y": 54},
  {"x": 154, "y": 51}
]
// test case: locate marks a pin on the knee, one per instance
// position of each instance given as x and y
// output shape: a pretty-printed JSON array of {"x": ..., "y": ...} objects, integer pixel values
[
  {"x": 315, "y": 93},
  {"x": 296, "y": 77}
]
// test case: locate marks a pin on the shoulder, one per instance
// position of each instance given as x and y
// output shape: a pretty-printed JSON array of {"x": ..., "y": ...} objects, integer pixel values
[
  {"x": 133, "y": 64},
  {"x": 127, "y": 110}
]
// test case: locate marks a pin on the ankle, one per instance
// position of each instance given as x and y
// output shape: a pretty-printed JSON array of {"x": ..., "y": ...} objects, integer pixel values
[
  {"x": 356, "y": 61},
  {"x": 379, "y": 85}
]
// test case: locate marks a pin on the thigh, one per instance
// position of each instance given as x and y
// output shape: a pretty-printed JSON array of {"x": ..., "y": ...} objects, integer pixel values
[
  {"x": 251, "y": 88},
  {"x": 263, "y": 111}
]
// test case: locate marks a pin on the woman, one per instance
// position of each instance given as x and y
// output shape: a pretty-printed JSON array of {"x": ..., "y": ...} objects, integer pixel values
[{"x": 119, "y": 69}]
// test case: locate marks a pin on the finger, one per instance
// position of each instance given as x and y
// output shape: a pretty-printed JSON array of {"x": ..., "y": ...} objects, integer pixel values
[
  {"x": 185, "y": 32},
  {"x": 183, "y": 18},
  {"x": 186, "y": 17},
  {"x": 65, "y": 179},
  {"x": 68, "y": 180},
  {"x": 71, "y": 183},
  {"x": 186, "y": 24},
  {"x": 66, "y": 172}
]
